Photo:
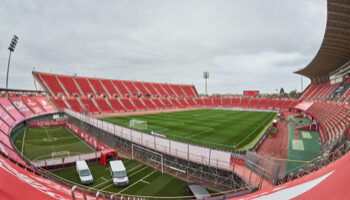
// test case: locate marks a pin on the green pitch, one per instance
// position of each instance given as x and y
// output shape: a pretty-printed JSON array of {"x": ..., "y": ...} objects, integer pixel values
[
  {"x": 222, "y": 129},
  {"x": 143, "y": 180},
  {"x": 40, "y": 142}
]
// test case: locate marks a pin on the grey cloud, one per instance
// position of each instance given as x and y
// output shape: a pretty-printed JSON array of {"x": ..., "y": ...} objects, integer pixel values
[{"x": 244, "y": 44}]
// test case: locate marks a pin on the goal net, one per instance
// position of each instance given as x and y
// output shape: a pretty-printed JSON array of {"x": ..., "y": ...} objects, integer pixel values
[
  {"x": 138, "y": 124},
  {"x": 147, "y": 156},
  {"x": 60, "y": 154}
]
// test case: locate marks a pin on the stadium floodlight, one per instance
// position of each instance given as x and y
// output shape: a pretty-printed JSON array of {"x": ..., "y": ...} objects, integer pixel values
[
  {"x": 11, "y": 49},
  {"x": 206, "y": 77}
]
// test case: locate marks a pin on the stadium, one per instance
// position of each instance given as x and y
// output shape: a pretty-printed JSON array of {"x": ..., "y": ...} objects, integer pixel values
[{"x": 169, "y": 136}]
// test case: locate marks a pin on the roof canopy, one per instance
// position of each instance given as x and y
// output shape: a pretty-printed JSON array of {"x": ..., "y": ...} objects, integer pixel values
[{"x": 335, "y": 48}]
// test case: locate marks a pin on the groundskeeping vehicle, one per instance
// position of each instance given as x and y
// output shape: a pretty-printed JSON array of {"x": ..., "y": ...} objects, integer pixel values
[
  {"x": 118, "y": 173},
  {"x": 197, "y": 190},
  {"x": 84, "y": 172}
]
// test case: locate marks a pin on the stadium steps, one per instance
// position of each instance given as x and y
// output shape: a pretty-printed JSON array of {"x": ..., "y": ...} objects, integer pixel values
[
  {"x": 226, "y": 101},
  {"x": 183, "y": 102},
  {"x": 116, "y": 105},
  {"x": 96, "y": 104},
  {"x": 124, "y": 84},
  {"x": 128, "y": 104},
  {"x": 109, "y": 104},
  {"x": 138, "y": 103},
  {"x": 151, "y": 89},
  {"x": 102, "y": 104},
  {"x": 158, "y": 103},
  {"x": 159, "y": 89},
  {"x": 85, "y": 86},
  {"x": 168, "y": 90},
  {"x": 68, "y": 85},
  {"x": 92, "y": 87},
  {"x": 42, "y": 82},
  {"x": 148, "y": 103},
  {"x": 53, "y": 83},
  {"x": 61, "y": 85},
  {"x": 142, "y": 90},
  {"x": 78, "y": 87},
  {"x": 75, "y": 104},
  {"x": 60, "y": 102},
  {"x": 167, "y": 103},
  {"x": 110, "y": 88},
  {"x": 97, "y": 87},
  {"x": 123, "y": 91},
  {"x": 105, "y": 88}
]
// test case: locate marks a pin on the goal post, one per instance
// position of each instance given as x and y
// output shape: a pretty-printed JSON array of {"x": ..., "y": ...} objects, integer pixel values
[
  {"x": 148, "y": 156},
  {"x": 138, "y": 124},
  {"x": 60, "y": 154}
]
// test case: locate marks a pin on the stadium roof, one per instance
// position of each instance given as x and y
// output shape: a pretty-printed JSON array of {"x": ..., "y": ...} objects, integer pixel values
[{"x": 335, "y": 48}]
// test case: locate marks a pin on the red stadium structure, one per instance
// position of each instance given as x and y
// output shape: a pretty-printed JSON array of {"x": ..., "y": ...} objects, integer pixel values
[{"x": 82, "y": 100}]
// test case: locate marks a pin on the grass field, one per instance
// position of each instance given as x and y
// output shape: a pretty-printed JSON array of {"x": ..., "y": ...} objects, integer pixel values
[
  {"x": 38, "y": 143},
  {"x": 143, "y": 180},
  {"x": 208, "y": 127}
]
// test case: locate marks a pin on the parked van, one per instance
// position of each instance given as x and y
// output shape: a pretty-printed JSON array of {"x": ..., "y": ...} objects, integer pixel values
[
  {"x": 118, "y": 173},
  {"x": 84, "y": 172}
]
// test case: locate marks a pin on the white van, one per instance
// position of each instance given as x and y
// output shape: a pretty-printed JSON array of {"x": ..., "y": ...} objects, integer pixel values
[
  {"x": 84, "y": 172},
  {"x": 118, "y": 173}
]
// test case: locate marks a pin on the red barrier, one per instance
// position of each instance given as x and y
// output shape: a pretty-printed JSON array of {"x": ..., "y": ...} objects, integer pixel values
[{"x": 47, "y": 123}]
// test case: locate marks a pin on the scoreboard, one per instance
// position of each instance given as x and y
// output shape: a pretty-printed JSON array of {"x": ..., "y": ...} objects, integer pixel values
[{"x": 251, "y": 93}]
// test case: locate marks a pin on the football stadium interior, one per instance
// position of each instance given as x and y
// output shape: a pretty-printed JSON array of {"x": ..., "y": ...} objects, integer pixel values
[{"x": 247, "y": 146}]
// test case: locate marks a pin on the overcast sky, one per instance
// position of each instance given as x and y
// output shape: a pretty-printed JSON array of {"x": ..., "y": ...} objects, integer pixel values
[{"x": 244, "y": 44}]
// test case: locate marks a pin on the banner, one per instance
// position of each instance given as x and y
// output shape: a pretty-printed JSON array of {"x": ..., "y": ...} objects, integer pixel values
[
  {"x": 33, "y": 105},
  {"x": 45, "y": 104},
  {"x": 21, "y": 106}
]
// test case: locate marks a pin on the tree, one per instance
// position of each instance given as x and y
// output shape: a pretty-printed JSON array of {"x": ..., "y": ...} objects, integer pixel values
[
  {"x": 293, "y": 93},
  {"x": 282, "y": 91}
]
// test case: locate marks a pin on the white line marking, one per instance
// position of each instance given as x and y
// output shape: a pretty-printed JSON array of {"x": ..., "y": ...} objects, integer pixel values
[
  {"x": 252, "y": 132},
  {"x": 145, "y": 181},
  {"x": 104, "y": 179},
  {"x": 128, "y": 176},
  {"x": 103, "y": 183},
  {"x": 134, "y": 168},
  {"x": 25, "y": 130},
  {"x": 205, "y": 131},
  {"x": 137, "y": 181}
]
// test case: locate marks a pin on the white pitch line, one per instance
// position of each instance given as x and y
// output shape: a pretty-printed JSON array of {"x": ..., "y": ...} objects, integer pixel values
[
  {"x": 205, "y": 131},
  {"x": 253, "y": 131},
  {"x": 103, "y": 183},
  {"x": 137, "y": 181},
  {"x": 145, "y": 181},
  {"x": 25, "y": 130},
  {"x": 128, "y": 176},
  {"x": 134, "y": 168}
]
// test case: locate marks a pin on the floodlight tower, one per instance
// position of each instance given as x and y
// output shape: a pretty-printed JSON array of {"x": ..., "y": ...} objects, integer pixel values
[
  {"x": 11, "y": 49},
  {"x": 206, "y": 77}
]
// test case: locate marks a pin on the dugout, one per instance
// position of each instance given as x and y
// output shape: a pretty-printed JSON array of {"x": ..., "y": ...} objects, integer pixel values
[{"x": 108, "y": 154}]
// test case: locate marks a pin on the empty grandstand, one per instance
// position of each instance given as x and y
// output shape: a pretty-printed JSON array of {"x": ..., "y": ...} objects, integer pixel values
[{"x": 301, "y": 154}]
